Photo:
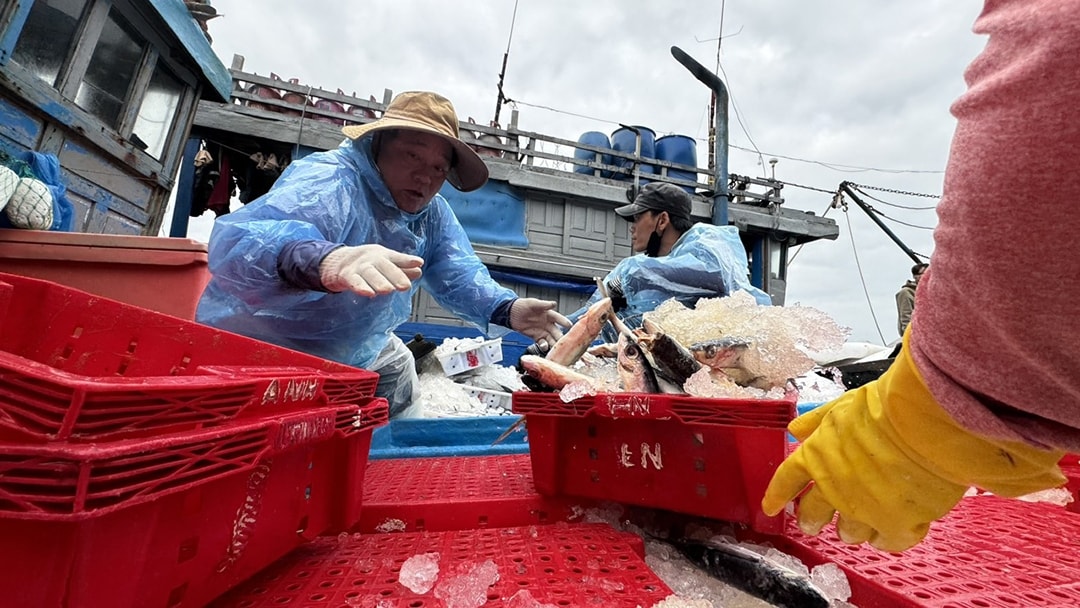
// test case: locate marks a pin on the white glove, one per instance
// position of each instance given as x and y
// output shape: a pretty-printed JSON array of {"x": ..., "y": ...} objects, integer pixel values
[
  {"x": 537, "y": 319},
  {"x": 369, "y": 270}
]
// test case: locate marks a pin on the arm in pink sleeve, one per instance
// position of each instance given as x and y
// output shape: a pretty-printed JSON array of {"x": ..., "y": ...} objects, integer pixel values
[{"x": 996, "y": 334}]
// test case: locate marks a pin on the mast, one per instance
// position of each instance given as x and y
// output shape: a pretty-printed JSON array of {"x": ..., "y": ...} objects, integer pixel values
[{"x": 502, "y": 73}]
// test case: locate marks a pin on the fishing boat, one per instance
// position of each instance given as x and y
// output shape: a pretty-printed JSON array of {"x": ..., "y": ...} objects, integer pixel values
[
  {"x": 130, "y": 99},
  {"x": 136, "y": 106},
  {"x": 111, "y": 89},
  {"x": 544, "y": 223}
]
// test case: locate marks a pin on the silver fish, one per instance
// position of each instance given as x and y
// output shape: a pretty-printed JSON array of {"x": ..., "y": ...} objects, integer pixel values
[
  {"x": 670, "y": 359},
  {"x": 634, "y": 369},
  {"x": 720, "y": 353},
  {"x": 742, "y": 568}
]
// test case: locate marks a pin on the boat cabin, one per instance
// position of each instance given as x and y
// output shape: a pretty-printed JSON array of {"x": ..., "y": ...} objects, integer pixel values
[{"x": 111, "y": 89}]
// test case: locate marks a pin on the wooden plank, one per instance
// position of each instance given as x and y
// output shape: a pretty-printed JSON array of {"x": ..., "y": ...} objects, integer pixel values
[
  {"x": 18, "y": 126},
  {"x": 104, "y": 173},
  {"x": 545, "y": 265},
  {"x": 267, "y": 125}
]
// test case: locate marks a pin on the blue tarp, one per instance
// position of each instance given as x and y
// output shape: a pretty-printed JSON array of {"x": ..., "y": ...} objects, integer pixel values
[{"x": 492, "y": 215}]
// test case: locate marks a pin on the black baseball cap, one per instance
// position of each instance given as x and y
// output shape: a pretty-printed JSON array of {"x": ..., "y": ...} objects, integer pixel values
[{"x": 658, "y": 196}]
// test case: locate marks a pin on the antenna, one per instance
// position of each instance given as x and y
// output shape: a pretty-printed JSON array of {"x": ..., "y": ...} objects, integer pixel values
[
  {"x": 502, "y": 73},
  {"x": 712, "y": 99}
]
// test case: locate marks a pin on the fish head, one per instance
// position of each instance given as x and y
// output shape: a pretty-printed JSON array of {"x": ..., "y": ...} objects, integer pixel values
[
  {"x": 634, "y": 369},
  {"x": 651, "y": 326},
  {"x": 720, "y": 352},
  {"x": 599, "y": 311}
]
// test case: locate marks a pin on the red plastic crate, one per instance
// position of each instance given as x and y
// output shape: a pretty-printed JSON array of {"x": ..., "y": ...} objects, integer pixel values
[
  {"x": 439, "y": 494},
  {"x": 707, "y": 457},
  {"x": 163, "y": 274},
  {"x": 77, "y": 366},
  {"x": 989, "y": 552},
  {"x": 565, "y": 565},
  {"x": 179, "y": 521}
]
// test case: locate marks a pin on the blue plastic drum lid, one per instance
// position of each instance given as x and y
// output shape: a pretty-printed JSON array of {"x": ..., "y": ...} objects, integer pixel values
[
  {"x": 625, "y": 140},
  {"x": 592, "y": 138},
  {"x": 681, "y": 150}
]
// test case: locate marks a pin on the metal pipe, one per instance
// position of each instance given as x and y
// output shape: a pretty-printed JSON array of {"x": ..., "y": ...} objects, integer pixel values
[
  {"x": 720, "y": 146},
  {"x": 844, "y": 187}
]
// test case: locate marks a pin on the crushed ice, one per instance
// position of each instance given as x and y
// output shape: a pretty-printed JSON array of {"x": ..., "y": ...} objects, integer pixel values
[{"x": 419, "y": 572}]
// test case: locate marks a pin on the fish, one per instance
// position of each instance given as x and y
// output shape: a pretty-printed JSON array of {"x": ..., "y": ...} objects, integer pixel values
[
  {"x": 740, "y": 567},
  {"x": 720, "y": 353},
  {"x": 617, "y": 324},
  {"x": 669, "y": 358},
  {"x": 581, "y": 335},
  {"x": 518, "y": 424},
  {"x": 551, "y": 374},
  {"x": 606, "y": 350},
  {"x": 634, "y": 369}
]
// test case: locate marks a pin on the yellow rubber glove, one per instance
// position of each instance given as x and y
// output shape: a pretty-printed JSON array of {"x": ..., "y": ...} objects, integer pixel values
[{"x": 889, "y": 460}]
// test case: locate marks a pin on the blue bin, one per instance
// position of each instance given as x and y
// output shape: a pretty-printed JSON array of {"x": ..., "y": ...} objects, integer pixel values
[
  {"x": 682, "y": 150},
  {"x": 592, "y": 138},
  {"x": 625, "y": 140},
  {"x": 800, "y": 409},
  {"x": 446, "y": 437}
]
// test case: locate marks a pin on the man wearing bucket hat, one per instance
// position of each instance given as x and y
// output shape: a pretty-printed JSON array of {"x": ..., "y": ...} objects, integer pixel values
[
  {"x": 327, "y": 262},
  {"x": 677, "y": 258}
]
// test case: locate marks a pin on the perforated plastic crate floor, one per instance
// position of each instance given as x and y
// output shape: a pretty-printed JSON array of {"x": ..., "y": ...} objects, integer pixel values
[
  {"x": 561, "y": 564},
  {"x": 414, "y": 494},
  {"x": 989, "y": 552}
]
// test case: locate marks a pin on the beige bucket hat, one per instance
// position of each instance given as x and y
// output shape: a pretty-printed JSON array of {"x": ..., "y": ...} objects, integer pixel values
[{"x": 430, "y": 113}]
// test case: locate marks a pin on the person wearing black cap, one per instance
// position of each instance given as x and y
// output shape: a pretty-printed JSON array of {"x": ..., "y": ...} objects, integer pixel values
[{"x": 675, "y": 257}]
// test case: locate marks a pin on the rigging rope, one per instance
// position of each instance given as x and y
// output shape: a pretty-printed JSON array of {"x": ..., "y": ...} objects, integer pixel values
[{"x": 862, "y": 279}]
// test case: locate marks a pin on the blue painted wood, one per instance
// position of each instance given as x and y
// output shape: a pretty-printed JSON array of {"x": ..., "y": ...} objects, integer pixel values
[
  {"x": 18, "y": 126},
  {"x": 11, "y": 35},
  {"x": 184, "y": 188},
  {"x": 193, "y": 40}
]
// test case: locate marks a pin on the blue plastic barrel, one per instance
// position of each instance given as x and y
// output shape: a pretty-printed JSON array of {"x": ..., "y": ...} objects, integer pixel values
[
  {"x": 625, "y": 140},
  {"x": 592, "y": 138},
  {"x": 681, "y": 150}
]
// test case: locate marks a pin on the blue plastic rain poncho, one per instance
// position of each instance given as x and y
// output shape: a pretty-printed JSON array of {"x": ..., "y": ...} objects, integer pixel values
[
  {"x": 337, "y": 196},
  {"x": 706, "y": 262}
]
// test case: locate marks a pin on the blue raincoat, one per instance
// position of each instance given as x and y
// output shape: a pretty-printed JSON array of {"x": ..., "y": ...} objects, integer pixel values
[
  {"x": 706, "y": 262},
  {"x": 337, "y": 196}
]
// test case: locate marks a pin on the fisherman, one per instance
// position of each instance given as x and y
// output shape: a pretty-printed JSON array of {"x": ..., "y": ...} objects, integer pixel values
[
  {"x": 905, "y": 298},
  {"x": 984, "y": 392},
  {"x": 677, "y": 258},
  {"x": 327, "y": 262}
]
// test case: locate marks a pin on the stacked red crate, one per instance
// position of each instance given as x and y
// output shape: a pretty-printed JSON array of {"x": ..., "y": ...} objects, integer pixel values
[{"x": 150, "y": 461}]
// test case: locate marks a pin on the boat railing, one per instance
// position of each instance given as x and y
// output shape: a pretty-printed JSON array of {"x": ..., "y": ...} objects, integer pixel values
[{"x": 310, "y": 107}]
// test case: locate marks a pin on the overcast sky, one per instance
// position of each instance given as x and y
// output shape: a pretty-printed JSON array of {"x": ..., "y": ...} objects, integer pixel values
[{"x": 856, "y": 91}]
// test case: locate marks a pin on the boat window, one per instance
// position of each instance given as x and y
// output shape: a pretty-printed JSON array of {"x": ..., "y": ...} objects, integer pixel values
[
  {"x": 158, "y": 109},
  {"x": 112, "y": 69},
  {"x": 47, "y": 37}
]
